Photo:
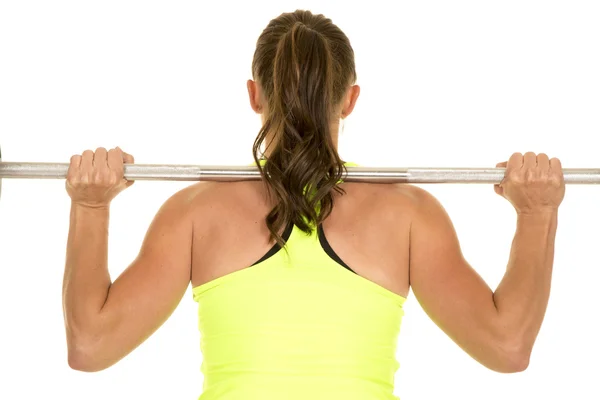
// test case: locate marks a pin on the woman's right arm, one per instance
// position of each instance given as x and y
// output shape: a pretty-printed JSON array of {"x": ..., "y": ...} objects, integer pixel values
[{"x": 497, "y": 328}]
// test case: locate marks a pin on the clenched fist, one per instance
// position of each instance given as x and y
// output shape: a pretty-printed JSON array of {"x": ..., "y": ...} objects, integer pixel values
[
  {"x": 95, "y": 178},
  {"x": 532, "y": 183}
]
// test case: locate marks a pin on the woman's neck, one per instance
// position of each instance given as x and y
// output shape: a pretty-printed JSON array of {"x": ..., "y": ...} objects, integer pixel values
[{"x": 270, "y": 143}]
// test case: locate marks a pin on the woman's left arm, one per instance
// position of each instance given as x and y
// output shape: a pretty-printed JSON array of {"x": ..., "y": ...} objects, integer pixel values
[{"x": 107, "y": 320}]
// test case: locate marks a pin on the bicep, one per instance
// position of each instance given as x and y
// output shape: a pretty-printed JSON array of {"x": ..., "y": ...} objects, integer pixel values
[
  {"x": 143, "y": 297},
  {"x": 448, "y": 289}
]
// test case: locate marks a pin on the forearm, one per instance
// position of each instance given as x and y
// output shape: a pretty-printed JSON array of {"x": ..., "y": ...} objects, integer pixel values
[
  {"x": 522, "y": 296},
  {"x": 86, "y": 278}
]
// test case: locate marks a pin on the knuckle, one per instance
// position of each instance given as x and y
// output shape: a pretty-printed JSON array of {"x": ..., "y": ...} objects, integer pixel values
[
  {"x": 556, "y": 180},
  {"x": 113, "y": 179},
  {"x": 73, "y": 178},
  {"x": 531, "y": 178},
  {"x": 115, "y": 161},
  {"x": 99, "y": 176},
  {"x": 517, "y": 179}
]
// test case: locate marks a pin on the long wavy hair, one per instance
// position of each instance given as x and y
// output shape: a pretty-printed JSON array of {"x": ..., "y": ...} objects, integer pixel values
[{"x": 304, "y": 64}]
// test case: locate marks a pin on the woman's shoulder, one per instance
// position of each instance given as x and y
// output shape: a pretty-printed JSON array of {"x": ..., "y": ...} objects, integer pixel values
[
  {"x": 249, "y": 197},
  {"x": 392, "y": 194},
  {"x": 214, "y": 198}
]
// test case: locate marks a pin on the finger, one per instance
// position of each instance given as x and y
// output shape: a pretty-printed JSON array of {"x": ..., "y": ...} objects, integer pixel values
[
  {"x": 513, "y": 166},
  {"x": 115, "y": 161},
  {"x": 87, "y": 160},
  {"x": 529, "y": 160},
  {"x": 100, "y": 159},
  {"x": 556, "y": 169},
  {"x": 75, "y": 161},
  {"x": 515, "y": 162},
  {"x": 124, "y": 158},
  {"x": 543, "y": 162},
  {"x": 73, "y": 167}
]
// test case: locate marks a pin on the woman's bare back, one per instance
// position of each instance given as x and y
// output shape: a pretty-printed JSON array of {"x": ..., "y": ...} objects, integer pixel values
[{"x": 368, "y": 229}]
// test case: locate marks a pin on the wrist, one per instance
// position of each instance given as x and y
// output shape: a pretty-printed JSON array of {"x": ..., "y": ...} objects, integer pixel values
[
  {"x": 546, "y": 211},
  {"x": 539, "y": 216},
  {"x": 97, "y": 209}
]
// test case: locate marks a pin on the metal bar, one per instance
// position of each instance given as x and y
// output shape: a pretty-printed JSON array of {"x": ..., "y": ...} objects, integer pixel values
[{"x": 24, "y": 170}]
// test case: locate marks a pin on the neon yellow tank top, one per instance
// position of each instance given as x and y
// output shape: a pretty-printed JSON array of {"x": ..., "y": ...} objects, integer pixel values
[{"x": 298, "y": 326}]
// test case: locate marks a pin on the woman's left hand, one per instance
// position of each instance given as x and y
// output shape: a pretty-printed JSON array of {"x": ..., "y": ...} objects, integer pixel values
[{"x": 94, "y": 179}]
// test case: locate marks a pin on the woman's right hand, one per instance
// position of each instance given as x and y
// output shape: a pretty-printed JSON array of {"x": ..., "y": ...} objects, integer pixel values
[{"x": 532, "y": 183}]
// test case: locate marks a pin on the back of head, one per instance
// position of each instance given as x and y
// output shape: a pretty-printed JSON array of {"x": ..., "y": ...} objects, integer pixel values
[{"x": 304, "y": 65}]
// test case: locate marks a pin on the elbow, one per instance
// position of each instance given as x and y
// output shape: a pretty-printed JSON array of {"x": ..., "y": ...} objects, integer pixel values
[
  {"x": 84, "y": 355},
  {"x": 513, "y": 357},
  {"x": 518, "y": 362},
  {"x": 82, "y": 362}
]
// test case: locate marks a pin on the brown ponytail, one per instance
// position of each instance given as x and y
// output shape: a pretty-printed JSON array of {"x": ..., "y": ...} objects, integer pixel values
[{"x": 304, "y": 65}]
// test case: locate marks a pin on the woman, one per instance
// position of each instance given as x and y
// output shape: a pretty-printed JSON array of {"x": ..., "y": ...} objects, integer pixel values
[{"x": 320, "y": 317}]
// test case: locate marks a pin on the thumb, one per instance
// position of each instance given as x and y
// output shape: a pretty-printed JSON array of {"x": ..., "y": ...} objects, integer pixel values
[
  {"x": 499, "y": 191},
  {"x": 498, "y": 187},
  {"x": 127, "y": 159}
]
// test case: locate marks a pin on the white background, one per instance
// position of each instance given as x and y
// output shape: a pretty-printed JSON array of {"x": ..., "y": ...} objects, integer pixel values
[{"x": 455, "y": 84}]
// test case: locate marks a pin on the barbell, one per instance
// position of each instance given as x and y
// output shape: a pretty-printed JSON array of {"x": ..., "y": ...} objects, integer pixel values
[{"x": 153, "y": 172}]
